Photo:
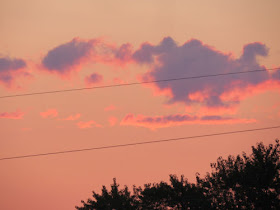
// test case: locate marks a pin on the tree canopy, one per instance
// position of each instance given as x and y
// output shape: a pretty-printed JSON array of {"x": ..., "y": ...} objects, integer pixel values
[{"x": 241, "y": 182}]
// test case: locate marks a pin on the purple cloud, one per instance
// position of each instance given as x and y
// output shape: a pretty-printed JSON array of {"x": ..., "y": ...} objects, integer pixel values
[
  {"x": 154, "y": 122},
  {"x": 69, "y": 57},
  {"x": 93, "y": 78},
  {"x": 10, "y": 69},
  {"x": 193, "y": 58},
  {"x": 63, "y": 58},
  {"x": 147, "y": 51},
  {"x": 8, "y": 64},
  {"x": 124, "y": 52}
]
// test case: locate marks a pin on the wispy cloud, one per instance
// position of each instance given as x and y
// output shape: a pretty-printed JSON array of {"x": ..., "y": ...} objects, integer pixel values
[
  {"x": 110, "y": 108},
  {"x": 112, "y": 120},
  {"x": 88, "y": 124},
  {"x": 71, "y": 117},
  {"x": 50, "y": 113},
  {"x": 12, "y": 115},
  {"x": 154, "y": 122}
]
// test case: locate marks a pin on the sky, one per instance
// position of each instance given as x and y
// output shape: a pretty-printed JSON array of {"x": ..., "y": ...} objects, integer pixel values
[{"x": 57, "y": 45}]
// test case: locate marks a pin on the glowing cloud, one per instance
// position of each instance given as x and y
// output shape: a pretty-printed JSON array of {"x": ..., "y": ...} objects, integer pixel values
[
  {"x": 123, "y": 54},
  {"x": 155, "y": 122},
  {"x": 88, "y": 124},
  {"x": 112, "y": 121},
  {"x": 12, "y": 115},
  {"x": 170, "y": 60},
  {"x": 110, "y": 108},
  {"x": 204, "y": 110},
  {"x": 50, "y": 113},
  {"x": 71, "y": 117}
]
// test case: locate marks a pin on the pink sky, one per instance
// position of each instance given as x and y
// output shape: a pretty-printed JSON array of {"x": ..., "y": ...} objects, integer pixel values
[{"x": 55, "y": 45}]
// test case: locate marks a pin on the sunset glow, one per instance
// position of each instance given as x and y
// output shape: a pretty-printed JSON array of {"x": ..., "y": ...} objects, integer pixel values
[{"x": 49, "y": 46}]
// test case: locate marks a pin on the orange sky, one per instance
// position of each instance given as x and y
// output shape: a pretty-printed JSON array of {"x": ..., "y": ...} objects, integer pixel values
[{"x": 53, "y": 45}]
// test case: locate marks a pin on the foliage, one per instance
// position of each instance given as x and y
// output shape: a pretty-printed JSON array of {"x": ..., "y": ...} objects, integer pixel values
[
  {"x": 241, "y": 182},
  {"x": 249, "y": 182},
  {"x": 115, "y": 199}
]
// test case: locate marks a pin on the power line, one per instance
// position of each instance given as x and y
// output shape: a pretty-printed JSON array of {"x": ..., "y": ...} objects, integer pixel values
[
  {"x": 138, "y": 143},
  {"x": 138, "y": 83}
]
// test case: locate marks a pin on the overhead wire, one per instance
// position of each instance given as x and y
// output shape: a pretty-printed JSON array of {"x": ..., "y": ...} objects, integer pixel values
[
  {"x": 137, "y": 83},
  {"x": 137, "y": 143}
]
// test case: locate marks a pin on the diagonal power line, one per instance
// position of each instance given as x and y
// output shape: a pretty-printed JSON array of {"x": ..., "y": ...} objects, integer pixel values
[
  {"x": 137, "y": 83},
  {"x": 137, "y": 143}
]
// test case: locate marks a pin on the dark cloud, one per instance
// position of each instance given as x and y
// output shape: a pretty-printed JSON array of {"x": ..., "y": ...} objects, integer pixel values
[
  {"x": 193, "y": 58},
  {"x": 8, "y": 64},
  {"x": 169, "y": 118},
  {"x": 70, "y": 56},
  {"x": 276, "y": 74},
  {"x": 63, "y": 58},
  {"x": 10, "y": 69},
  {"x": 147, "y": 51}
]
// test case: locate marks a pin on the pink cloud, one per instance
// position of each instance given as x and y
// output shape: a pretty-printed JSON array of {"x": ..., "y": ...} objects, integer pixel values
[
  {"x": 230, "y": 110},
  {"x": 88, "y": 124},
  {"x": 71, "y": 117},
  {"x": 123, "y": 54},
  {"x": 112, "y": 121},
  {"x": 118, "y": 81},
  {"x": 12, "y": 115},
  {"x": 155, "y": 122},
  {"x": 50, "y": 113},
  {"x": 239, "y": 93},
  {"x": 199, "y": 96},
  {"x": 110, "y": 108}
]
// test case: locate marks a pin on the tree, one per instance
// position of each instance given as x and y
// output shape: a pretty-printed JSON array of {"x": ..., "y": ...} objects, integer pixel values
[
  {"x": 180, "y": 194},
  {"x": 115, "y": 199},
  {"x": 241, "y": 182},
  {"x": 245, "y": 182}
]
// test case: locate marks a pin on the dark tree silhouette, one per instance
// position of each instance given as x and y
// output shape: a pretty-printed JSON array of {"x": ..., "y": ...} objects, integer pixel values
[
  {"x": 241, "y": 182},
  {"x": 115, "y": 199},
  {"x": 180, "y": 194},
  {"x": 245, "y": 182}
]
